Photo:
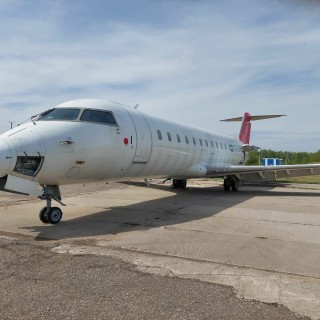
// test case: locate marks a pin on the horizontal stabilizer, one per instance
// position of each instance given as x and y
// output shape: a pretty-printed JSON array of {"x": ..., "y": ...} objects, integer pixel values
[{"x": 253, "y": 118}]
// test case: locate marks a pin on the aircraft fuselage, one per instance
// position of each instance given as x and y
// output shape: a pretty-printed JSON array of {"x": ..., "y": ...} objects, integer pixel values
[{"x": 53, "y": 151}]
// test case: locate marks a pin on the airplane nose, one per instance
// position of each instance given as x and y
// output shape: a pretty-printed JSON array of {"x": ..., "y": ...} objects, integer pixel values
[{"x": 5, "y": 157}]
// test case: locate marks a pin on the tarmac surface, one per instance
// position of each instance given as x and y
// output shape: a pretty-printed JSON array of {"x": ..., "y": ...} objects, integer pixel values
[{"x": 127, "y": 251}]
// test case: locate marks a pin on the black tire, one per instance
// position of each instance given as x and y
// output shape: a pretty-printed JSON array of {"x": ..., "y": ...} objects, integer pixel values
[
  {"x": 226, "y": 185},
  {"x": 179, "y": 184},
  {"x": 183, "y": 183},
  {"x": 175, "y": 183},
  {"x": 43, "y": 215},
  {"x": 235, "y": 186},
  {"x": 54, "y": 215}
]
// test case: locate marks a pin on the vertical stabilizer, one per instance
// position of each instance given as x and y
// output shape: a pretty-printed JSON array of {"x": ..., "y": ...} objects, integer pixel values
[{"x": 245, "y": 131}]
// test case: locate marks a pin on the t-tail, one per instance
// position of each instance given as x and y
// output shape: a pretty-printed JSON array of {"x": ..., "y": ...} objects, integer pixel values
[{"x": 245, "y": 131}]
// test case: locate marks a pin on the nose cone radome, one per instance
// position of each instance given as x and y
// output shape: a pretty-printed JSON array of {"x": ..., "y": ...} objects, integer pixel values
[{"x": 5, "y": 158}]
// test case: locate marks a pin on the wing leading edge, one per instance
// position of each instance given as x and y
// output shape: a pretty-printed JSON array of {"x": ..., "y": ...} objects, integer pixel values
[{"x": 264, "y": 173}]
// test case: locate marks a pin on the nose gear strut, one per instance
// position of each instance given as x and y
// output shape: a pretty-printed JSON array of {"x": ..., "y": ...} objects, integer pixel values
[{"x": 50, "y": 214}]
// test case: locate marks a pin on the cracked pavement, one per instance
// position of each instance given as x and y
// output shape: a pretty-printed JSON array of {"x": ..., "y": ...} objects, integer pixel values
[{"x": 38, "y": 283}]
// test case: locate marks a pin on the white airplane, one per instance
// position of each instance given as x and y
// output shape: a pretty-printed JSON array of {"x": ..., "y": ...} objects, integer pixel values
[{"x": 89, "y": 140}]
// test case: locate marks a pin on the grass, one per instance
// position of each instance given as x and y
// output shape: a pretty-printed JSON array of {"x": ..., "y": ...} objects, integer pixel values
[{"x": 307, "y": 179}]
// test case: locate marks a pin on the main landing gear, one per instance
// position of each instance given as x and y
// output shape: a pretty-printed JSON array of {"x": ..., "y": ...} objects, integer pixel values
[
  {"x": 179, "y": 184},
  {"x": 231, "y": 182},
  {"x": 50, "y": 214}
]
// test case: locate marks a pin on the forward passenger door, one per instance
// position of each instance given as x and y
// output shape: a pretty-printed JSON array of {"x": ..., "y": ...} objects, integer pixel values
[{"x": 143, "y": 137}]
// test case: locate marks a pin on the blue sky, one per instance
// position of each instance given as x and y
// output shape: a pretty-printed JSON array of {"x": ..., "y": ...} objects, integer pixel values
[{"x": 191, "y": 61}]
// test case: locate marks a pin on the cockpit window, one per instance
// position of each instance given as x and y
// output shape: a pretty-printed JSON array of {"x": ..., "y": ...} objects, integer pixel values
[
  {"x": 98, "y": 116},
  {"x": 60, "y": 114}
]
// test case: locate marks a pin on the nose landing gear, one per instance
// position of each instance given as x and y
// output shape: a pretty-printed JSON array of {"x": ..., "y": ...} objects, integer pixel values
[{"x": 50, "y": 214}]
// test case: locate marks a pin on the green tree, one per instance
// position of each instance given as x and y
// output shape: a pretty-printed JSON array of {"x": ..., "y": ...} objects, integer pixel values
[{"x": 287, "y": 157}]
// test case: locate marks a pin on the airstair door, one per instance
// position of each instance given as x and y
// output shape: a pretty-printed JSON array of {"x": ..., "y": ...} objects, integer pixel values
[{"x": 143, "y": 138}]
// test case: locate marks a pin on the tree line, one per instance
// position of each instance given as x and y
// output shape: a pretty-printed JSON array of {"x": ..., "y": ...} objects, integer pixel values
[{"x": 287, "y": 157}]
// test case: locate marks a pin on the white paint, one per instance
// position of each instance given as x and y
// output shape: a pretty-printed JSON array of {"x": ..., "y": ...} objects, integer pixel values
[{"x": 22, "y": 185}]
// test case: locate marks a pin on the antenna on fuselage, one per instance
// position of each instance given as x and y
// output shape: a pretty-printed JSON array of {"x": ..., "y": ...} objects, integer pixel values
[
  {"x": 136, "y": 106},
  {"x": 11, "y": 123},
  {"x": 120, "y": 104}
]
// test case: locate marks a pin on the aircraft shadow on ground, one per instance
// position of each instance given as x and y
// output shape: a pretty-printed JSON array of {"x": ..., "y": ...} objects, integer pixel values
[{"x": 181, "y": 206}]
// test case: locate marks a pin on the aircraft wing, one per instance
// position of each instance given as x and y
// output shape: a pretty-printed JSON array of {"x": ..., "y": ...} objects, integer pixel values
[{"x": 264, "y": 173}]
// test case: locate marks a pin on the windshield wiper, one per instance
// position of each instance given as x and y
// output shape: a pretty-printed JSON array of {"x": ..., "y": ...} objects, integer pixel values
[
  {"x": 39, "y": 115},
  {"x": 32, "y": 118}
]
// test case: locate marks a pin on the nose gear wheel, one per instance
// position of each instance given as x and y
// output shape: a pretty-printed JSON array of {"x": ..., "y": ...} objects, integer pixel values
[{"x": 50, "y": 214}]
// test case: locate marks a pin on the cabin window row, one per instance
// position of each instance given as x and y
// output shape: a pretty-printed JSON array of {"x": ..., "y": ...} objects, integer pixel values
[{"x": 194, "y": 140}]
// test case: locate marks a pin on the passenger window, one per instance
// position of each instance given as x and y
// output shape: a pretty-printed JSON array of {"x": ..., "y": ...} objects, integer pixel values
[
  {"x": 169, "y": 136},
  {"x": 159, "y": 135},
  {"x": 187, "y": 140},
  {"x": 200, "y": 142},
  {"x": 178, "y": 138},
  {"x": 225, "y": 146},
  {"x": 217, "y": 145},
  {"x": 98, "y": 116},
  {"x": 206, "y": 143},
  {"x": 194, "y": 141}
]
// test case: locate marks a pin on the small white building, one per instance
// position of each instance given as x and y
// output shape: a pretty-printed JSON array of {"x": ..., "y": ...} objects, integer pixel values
[{"x": 271, "y": 161}]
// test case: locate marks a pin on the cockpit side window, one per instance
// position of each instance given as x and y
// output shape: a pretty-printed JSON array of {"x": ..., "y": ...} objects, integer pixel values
[
  {"x": 98, "y": 116},
  {"x": 60, "y": 114}
]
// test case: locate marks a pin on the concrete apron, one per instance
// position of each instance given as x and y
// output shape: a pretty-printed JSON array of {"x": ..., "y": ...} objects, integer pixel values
[{"x": 262, "y": 241}]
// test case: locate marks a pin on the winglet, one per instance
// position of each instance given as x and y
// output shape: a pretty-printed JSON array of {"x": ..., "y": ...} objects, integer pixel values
[{"x": 245, "y": 131}]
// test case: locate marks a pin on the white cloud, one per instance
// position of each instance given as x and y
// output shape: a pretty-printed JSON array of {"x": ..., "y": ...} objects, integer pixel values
[{"x": 196, "y": 62}]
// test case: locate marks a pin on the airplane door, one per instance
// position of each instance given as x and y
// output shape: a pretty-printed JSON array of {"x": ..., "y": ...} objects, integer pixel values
[
  {"x": 211, "y": 147},
  {"x": 143, "y": 138}
]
